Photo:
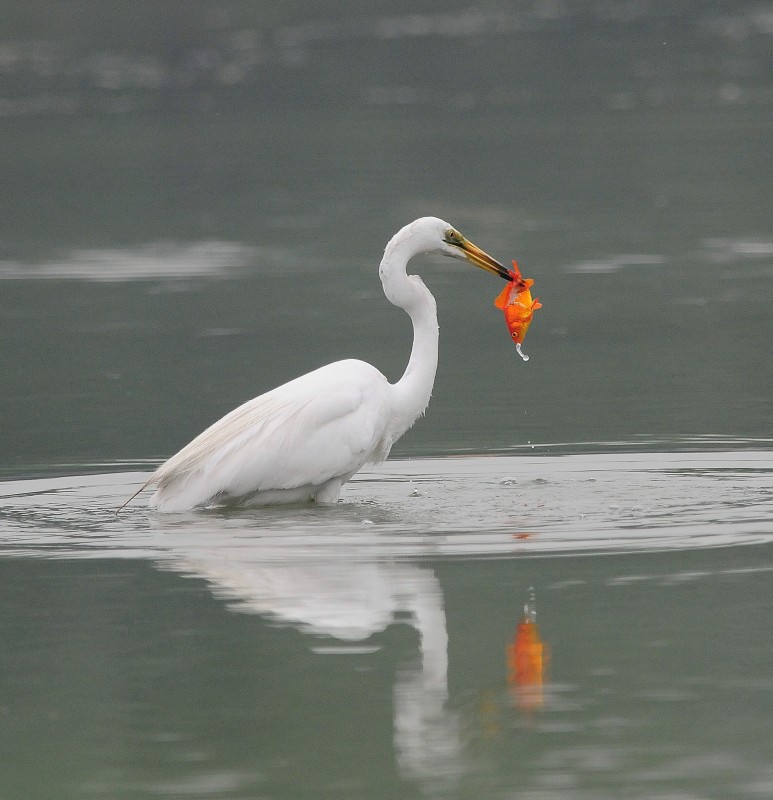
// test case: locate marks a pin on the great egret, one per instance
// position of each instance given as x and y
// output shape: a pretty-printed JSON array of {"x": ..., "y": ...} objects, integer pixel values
[{"x": 305, "y": 439}]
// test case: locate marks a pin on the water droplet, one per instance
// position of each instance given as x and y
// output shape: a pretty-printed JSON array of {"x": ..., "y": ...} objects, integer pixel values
[{"x": 530, "y": 607}]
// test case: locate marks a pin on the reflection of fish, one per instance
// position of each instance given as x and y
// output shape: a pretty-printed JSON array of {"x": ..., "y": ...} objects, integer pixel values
[
  {"x": 527, "y": 658},
  {"x": 518, "y": 306}
]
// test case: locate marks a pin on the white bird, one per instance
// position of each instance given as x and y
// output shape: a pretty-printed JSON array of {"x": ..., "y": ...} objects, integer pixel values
[{"x": 303, "y": 440}]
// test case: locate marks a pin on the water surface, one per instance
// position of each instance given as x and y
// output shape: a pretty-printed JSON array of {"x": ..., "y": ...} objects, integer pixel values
[{"x": 360, "y": 648}]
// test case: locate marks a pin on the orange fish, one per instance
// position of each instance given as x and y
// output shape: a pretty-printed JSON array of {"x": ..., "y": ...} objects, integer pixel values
[
  {"x": 527, "y": 658},
  {"x": 516, "y": 302}
]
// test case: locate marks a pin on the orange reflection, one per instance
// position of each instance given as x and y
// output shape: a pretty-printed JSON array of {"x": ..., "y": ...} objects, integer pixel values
[{"x": 527, "y": 660}]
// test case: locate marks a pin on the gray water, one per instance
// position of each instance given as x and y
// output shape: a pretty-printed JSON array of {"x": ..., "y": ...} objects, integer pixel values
[{"x": 194, "y": 206}]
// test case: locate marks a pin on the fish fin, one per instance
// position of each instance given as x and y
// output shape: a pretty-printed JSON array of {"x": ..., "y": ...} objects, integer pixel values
[
  {"x": 502, "y": 298},
  {"x": 516, "y": 270},
  {"x": 536, "y": 304}
]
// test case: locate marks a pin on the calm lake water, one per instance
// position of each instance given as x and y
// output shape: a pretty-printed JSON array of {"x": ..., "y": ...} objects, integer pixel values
[{"x": 195, "y": 206}]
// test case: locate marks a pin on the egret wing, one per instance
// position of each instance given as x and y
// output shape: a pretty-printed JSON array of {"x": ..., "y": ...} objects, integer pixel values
[{"x": 320, "y": 426}]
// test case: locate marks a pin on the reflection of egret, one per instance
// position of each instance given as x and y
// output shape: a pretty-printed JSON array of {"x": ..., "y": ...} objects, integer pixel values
[
  {"x": 349, "y": 597},
  {"x": 306, "y": 438}
]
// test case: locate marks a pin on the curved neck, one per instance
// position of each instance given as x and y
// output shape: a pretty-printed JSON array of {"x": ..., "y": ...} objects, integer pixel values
[{"x": 413, "y": 390}]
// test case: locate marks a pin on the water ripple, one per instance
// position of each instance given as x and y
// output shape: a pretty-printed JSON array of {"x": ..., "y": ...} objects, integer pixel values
[{"x": 472, "y": 506}]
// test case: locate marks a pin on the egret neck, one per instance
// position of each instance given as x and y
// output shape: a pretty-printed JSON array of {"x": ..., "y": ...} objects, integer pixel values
[{"x": 412, "y": 392}]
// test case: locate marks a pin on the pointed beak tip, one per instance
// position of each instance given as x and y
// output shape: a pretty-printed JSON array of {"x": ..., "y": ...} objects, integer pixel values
[{"x": 480, "y": 258}]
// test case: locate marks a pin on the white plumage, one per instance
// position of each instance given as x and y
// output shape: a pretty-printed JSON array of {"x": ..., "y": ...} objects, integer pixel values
[{"x": 304, "y": 439}]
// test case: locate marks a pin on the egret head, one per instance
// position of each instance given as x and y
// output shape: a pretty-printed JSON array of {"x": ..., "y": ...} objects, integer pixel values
[
  {"x": 456, "y": 246},
  {"x": 433, "y": 235}
]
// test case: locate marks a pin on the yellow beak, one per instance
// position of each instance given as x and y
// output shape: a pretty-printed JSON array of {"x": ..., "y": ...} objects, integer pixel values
[{"x": 481, "y": 259}]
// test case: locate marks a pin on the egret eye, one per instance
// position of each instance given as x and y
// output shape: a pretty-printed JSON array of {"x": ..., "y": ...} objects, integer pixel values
[{"x": 452, "y": 237}]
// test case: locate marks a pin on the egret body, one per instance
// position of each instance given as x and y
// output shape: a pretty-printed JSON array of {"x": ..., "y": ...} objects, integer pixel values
[{"x": 305, "y": 439}]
